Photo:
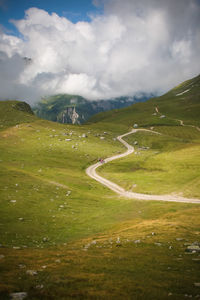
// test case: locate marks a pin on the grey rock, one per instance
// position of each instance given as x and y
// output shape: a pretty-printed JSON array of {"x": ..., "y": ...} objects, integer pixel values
[
  {"x": 44, "y": 267},
  {"x": 158, "y": 244},
  {"x": 31, "y": 272},
  {"x": 21, "y": 266},
  {"x": 18, "y": 296},
  {"x": 193, "y": 248},
  {"x": 196, "y": 243},
  {"x": 39, "y": 286},
  {"x": 137, "y": 241}
]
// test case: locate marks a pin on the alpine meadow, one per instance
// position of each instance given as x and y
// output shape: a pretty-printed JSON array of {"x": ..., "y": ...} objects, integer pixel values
[
  {"x": 99, "y": 150},
  {"x": 65, "y": 235}
]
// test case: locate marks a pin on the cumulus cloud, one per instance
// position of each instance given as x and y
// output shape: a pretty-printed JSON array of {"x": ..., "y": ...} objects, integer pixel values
[{"x": 135, "y": 46}]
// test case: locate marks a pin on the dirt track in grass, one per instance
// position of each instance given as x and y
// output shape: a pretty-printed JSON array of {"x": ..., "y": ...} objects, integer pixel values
[{"x": 91, "y": 171}]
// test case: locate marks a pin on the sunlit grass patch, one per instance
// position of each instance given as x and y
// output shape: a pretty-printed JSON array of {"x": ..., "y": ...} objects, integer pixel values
[{"x": 160, "y": 164}]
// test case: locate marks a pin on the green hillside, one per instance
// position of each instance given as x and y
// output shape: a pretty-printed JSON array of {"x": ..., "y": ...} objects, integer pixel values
[
  {"x": 172, "y": 159},
  {"x": 182, "y": 102},
  {"x": 65, "y": 236},
  {"x": 14, "y": 112}
]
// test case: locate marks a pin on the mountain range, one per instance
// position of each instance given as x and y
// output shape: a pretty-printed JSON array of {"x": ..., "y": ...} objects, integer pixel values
[{"x": 74, "y": 109}]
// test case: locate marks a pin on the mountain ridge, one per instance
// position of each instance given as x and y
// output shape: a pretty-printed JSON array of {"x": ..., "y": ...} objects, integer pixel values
[{"x": 74, "y": 109}]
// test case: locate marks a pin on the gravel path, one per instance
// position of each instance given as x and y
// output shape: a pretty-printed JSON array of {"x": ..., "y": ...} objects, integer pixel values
[{"x": 91, "y": 171}]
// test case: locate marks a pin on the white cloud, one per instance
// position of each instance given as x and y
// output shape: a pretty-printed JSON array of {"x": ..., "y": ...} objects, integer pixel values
[{"x": 135, "y": 46}]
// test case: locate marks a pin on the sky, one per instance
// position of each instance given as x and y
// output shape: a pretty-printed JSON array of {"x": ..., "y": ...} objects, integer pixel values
[{"x": 98, "y": 49}]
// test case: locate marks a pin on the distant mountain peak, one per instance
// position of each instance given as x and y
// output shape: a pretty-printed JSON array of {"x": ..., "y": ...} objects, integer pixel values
[{"x": 75, "y": 109}]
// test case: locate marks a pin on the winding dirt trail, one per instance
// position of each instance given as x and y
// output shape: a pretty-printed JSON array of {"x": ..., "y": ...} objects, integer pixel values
[
  {"x": 180, "y": 121},
  {"x": 91, "y": 171},
  {"x": 182, "y": 124}
]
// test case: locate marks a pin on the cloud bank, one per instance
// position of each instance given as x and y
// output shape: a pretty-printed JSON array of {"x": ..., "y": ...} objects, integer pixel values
[{"x": 135, "y": 46}]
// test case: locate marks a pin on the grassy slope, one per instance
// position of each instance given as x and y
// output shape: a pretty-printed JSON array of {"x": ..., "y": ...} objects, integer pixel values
[
  {"x": 32, "y": 156},
  {"x": 172, "y": 163},
  {"x": 185, "y": 107},
  {"x": 14, "y": 112},
  {"x": 57, "y": 232}
]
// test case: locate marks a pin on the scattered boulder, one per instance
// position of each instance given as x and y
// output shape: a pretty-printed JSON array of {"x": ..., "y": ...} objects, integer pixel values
[
  {"x": 31, "y": 272},
  {"x": 2, "y": 256},
  {"x": 135, "y": 125},
  {"x": 193, "y": 248},
  {"x": 18, "y": 296},
  {"x": 93, "y": 242},
  {"x": 137, "y": 241},
  {"x": 118, "y": 242},
  {"x": 158, "y": 244},
  {"x": 44, "y": 267},
  {"x": 21, "y": 266},
  {"x": 39, "y": 286},
  {"x": 68, "y": 193}
]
